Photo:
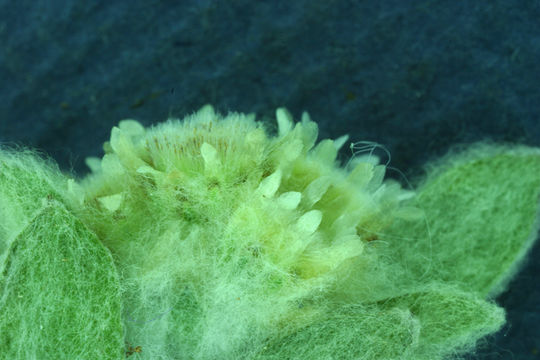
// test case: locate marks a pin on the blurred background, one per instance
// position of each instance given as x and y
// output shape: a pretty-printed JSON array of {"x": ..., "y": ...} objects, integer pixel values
[{"x": 415, "y": 76}]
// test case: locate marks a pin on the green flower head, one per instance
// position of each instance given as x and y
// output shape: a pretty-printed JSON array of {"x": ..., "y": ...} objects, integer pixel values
[{"x": 211, "y": 238}]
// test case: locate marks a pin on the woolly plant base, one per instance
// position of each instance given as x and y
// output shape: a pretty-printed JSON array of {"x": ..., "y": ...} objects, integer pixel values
[{"x": 231, "y": 243}]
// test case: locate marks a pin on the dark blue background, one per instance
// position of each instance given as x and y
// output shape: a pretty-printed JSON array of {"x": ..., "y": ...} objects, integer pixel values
[{"x": 416, "y": 76}]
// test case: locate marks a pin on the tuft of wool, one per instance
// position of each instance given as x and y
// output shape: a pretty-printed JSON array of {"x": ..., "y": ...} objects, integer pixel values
[
  {"x": 58, "y": 284},
  {"x": 212, "y": 237}
]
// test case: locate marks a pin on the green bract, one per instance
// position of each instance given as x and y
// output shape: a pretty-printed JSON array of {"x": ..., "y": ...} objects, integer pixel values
[
  {"x": 58, "y": 285},
  {"x": 229, "y": 243}
]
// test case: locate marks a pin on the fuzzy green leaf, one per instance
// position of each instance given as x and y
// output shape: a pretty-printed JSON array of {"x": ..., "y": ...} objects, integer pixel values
[
  {"x": 481, "y": 218},
  {"x": 60, "y": 292}
]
